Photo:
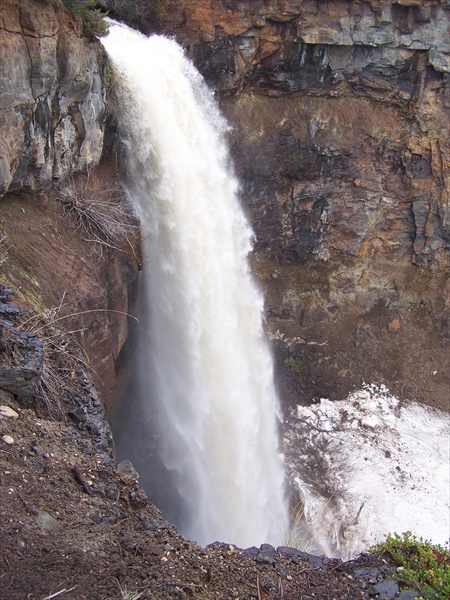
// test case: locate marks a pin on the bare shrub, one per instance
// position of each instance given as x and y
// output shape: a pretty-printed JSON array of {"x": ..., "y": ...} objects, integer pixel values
[
  {"x": 101, "y": 213},
  {"x": 66, "y": 372},
  {"x": 64, "y": 364},
  {"x": 3, "y": 248}
]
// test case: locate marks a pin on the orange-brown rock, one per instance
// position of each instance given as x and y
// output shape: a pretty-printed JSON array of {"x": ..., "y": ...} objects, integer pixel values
[
  {"x": 50, "y": 265},
  {"x": 340, "y": 115},
  {"x": 363, "y": 108}
]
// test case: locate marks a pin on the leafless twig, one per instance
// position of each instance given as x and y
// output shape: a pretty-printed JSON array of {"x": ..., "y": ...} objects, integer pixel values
[
  {"x": 102, "y": 213},
  {"x": 64, "y": 591}
]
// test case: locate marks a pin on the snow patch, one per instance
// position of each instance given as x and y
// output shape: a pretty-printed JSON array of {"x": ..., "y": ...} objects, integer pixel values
[{"x": 368, "y": 466}]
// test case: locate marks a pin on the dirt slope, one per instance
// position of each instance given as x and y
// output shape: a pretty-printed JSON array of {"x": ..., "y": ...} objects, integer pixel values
[{"x": 73, "y": 527}]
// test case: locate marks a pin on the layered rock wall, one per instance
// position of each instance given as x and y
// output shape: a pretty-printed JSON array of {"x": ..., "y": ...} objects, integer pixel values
[
  {"x": 52, "y": 99},
  {"x": 340, "y": 136},
  {"x": 52, "y": 121},
  {"x": 340, "y": 115},
  {"x": 368, "y": 85}
]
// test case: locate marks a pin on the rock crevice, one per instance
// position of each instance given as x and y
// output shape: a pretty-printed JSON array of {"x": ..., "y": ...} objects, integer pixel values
[{"x": 52, "y": 100}]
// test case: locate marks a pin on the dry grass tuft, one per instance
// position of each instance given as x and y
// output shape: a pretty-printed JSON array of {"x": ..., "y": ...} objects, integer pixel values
[
  {"x": 126, "y": 594},
  {"x": 101, "y": 213},
  {"x": 64, "y": 364},
  {"x": 3, "y": 248}
]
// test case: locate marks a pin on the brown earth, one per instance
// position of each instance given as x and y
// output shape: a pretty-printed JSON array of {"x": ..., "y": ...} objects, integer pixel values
[
  {"x": 51, "y": 263},
  {"x": 73, "y": 527}
]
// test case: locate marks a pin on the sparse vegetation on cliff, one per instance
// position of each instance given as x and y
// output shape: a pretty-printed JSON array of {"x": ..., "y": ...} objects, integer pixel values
[
  {"x": 421, "y": 564},
  {"x": 92, "y": 17},
  {"x": 63, "y": 361},
  {"x": 292, "y": 363},
  {"x": 136, "y": 9},
  {"x": 100, "y": 213}
]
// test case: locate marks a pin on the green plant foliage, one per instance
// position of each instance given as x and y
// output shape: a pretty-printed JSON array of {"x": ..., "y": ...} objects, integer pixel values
[
  {"x": 134, "y": 11},
  {"x": 107, "y": 76},
  {"x": 292, "y": 363},
  {"x": 92, "y": 17},
  {"x": 160, "y": 6},
  {"x": 421, "y": 564}
]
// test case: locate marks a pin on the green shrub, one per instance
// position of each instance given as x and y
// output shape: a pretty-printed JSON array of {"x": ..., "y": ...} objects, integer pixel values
[
  {"x": 136, "y": 11},
  {"x": 92, "y": 17},
  {"x": 292, "y": 363},
  {"x": 421, "y": 564}
]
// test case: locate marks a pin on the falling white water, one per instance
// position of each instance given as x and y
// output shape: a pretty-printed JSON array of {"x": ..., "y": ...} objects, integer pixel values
[
  {"x": 205, "y": 360},
  {"x": 368, "y": 466}
]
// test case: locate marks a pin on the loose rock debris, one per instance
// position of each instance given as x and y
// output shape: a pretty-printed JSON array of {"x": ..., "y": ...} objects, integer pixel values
[{"x": 73, "y": 527}]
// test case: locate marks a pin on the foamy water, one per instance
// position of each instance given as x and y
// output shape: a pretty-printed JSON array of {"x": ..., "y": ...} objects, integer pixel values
[{"x": 206, "y": 370}]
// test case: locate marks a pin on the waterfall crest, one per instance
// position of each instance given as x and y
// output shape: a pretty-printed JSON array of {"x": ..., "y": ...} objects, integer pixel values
[{"x": 204, "y": 361}]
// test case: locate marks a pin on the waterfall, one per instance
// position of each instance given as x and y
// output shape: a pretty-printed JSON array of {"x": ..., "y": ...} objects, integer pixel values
[{"x": 205, "y": 368}]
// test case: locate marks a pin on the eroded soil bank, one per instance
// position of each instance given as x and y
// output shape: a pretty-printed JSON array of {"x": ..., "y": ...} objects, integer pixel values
[{"x": 71, "y": 523}]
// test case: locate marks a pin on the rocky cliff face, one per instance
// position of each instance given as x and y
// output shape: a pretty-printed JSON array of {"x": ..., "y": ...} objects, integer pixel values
[
  {"x": 340, "y": 136},
  {"x": 52, "y": 120},
  {"x": 52, "y": 98},
  {"x": 341, "y": 141},
  {"x": 340, "y": 112},
  {"x": 335, "y": 92}
]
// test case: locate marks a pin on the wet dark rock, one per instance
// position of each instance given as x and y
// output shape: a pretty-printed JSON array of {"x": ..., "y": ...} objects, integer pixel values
[
  {"x": 317, "y": 561},
  {"x": 112, "y": 491},
  {"x": 8, "y": 310},
  {"x": 155, "y": 524},
  {"x": 96, "y": 515},
  {"x": 78, "y": 415},
  {"x": 106, "y": 461},
  {"x": 22, "y": 360},
  {"x": 290, "y": 552},
  {"x": 90, "y": 415},
  {"x": 266, "y": 554},
  {"x": 384, "y": 590},
  {"x": 367, "y": 573},
  {"x": 6, "y": 294}
]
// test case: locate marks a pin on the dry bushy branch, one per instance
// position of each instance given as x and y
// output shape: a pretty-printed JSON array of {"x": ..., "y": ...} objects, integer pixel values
[
  {"x": 3, "y": 248},
  {"x": 100, "y": 213},
  {"x": 63, "y": 362}
]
